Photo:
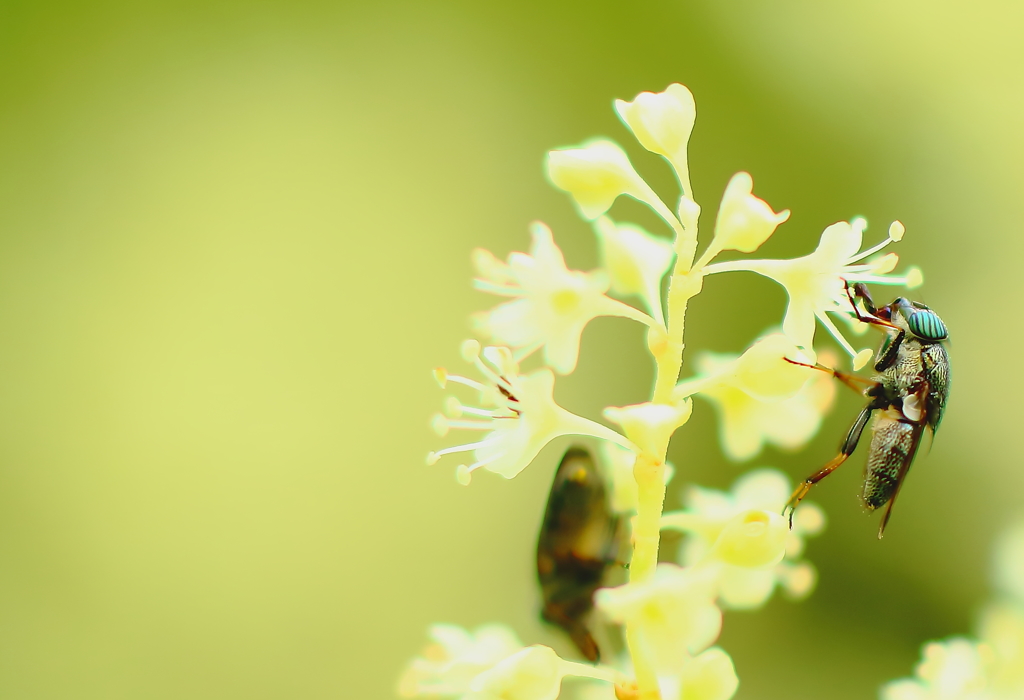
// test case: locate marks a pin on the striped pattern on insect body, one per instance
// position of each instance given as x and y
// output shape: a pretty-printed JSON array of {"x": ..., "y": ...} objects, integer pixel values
[
  {"x": 576, "y": 546},
  {"x": 907, "y": 395}
]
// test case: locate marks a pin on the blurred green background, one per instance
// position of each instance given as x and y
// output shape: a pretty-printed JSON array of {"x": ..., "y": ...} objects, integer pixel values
[{"x": 234, "y": 239}]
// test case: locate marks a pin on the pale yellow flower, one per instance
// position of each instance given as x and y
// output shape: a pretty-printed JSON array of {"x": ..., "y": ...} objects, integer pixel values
[
  {"x": 662, "y": 123},
  {"x": 454, "y": 658},
  {"x": 673, "y": 612},
  {"x": 551, "y": 304},
  {"x": 816, "y": 283},
  {"x": 518, "y": 414},
  {"x": 955, "y": 669},
  {"x": 760, "y": 398},
  {"x": 749, "y": 572},
  {"x": 709, "y": 676},
  {"x": 533, "y": 673},
  {"x": 596, "y": 174}
]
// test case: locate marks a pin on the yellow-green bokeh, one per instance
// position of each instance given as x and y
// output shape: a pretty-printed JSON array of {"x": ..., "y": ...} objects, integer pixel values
[{"x": 234, "y": 239}]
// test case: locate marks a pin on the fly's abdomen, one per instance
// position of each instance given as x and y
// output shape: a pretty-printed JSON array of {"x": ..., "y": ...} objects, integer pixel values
[{"x": 893, "y": 444}]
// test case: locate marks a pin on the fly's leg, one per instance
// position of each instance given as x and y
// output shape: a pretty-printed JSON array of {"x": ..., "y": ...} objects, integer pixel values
[
  {"x": 848, "y": 446},
  {"x": 855, "y": 382}
]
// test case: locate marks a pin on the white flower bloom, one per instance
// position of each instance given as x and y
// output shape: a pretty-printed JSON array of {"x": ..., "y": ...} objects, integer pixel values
[
  {"x": 714, "y": 520},
  {"x": 816, "y": 283},
  {"x": 650, "y": 425},
  {"x": 662, "y": 123},
  {"x": 454, "y": 658},
  {"x": 951, "y": 670},
  {"x": 551, "y": 304},
  {"x": 744, "y": 222},
  {"x": 596, "y": 173},
  {"x": 673, "y": 612},
  {"x": 518, "y": 413},
  {"x": 635, "y": 261},
  {"x": 761, "y": 398}
]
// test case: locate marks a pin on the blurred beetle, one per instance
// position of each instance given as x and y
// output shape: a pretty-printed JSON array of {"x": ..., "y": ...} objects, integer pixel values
[{"x": 576, "y": 546}]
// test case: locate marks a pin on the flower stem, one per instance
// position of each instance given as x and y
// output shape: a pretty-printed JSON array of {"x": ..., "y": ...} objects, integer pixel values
[{"x": 649, "y": 470}]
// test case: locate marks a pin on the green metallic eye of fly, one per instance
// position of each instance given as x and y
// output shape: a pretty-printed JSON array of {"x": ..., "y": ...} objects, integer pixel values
[{"x": 927, "y": 325}]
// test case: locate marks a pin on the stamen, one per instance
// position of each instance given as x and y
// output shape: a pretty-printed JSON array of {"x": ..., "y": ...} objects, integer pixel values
[
  {"x": 471, "y": 424},
  {"x": 486, "y": 412},
  {"x": 463, "y": 474},
  {"x": 470, "y": 350},
  {"x": 465, "y": 381},
  {"x": 468, "y": 447},
  {"x": 896, "y": 231},
  {"x": 502, "y": 290},
  {"x": 911, "y": 280},
  {"x": 440, "y": 425},
  {"x": 441, "y": 376},
  {"x": 831, "y": 327},
  {"x": 452, "y": 407},
  {"x": 491, "y": 375},
  {"x": 885, "y": 264},
  {"x": 870, "y": 251}
]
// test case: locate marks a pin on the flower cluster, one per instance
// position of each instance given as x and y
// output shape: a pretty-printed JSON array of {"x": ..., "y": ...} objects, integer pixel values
[
  {"x": 738, "y": 548},
  {"x": 990, "y": 666}
]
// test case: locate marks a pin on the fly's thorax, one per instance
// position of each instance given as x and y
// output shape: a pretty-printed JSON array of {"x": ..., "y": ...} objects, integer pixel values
[{"x": 906, "y": 373}]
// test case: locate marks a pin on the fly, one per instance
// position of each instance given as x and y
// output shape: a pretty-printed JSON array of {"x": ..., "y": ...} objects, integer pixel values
[{"x": 907, "y": 395}]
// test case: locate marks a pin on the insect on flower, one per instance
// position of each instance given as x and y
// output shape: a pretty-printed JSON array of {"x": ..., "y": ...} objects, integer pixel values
[
  {"x": 907, "y": 395},
  {"x": 576, "y": 545}
]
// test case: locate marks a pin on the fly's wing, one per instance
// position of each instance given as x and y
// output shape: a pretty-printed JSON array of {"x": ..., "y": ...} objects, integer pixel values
[
  {"x": 935, "y": 360},
  {"x": 896, "y": 436},
  {"x": 572, "y": 549}
]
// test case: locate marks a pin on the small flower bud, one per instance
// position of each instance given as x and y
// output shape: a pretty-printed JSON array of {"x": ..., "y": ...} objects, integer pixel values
[
  {"x": 650, "y": 425},
  {"x": 744, "y": 222},
  {"x": 595, "y": 175},
  {"x": 662, "y": 122}
]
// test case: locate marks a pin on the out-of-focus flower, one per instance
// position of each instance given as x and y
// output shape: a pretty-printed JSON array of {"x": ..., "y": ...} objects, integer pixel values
[
  {"x": 951, "y": 670},
  {"x": 1001, "y": 630},
  {"x": 454, "y": 658},
  {"x": 744, "y": 222},
  {"x": 816, "y": 283},
  {"x": 551, "y": 304},
  {"x": 673, "y": 612},
  {"x": 761, "y": 398},
  {"x": 1008, "y": 563},
  {"x": 635, "y": 261},
  {"x": 662, "y": 123},
  {"x": 596, "y": 173},
  {"x": 518, "y": 414},
  {"x": 709, "y": 676},
  {"x": 716, "y": 523}
]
